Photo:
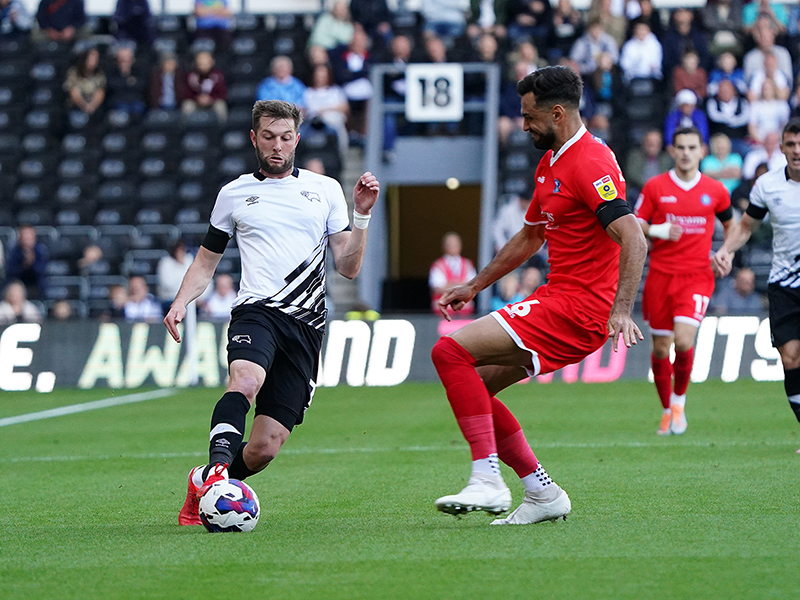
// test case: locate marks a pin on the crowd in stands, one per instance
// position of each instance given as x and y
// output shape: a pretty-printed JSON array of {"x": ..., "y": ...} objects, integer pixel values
[{"x": 729, "y": 68}]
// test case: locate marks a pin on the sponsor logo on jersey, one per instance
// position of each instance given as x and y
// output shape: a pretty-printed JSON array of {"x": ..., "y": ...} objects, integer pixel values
[
  {"x": 551, "y": 221},
  {"x": 557, "y": 187},
  {"x": 605, "y": 188},
  {"x": 241, "y": 339},
  {"x": 705, "y": 199},
  {"x": 668, "y": 199},
  {"x": 540, "y": 179},
  {"x": 251, "y": 200},
  {"x": 311, "y": 196}
]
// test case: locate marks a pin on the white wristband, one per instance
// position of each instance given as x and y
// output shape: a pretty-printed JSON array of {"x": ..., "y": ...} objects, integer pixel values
[
  {"x": 660, "y": 231},
  {"x": 360, "y": 221}
]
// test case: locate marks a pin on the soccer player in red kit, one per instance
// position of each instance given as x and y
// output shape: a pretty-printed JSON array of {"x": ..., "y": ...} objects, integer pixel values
[
  {"x": 676, "y": 211},
  {"x": 597, "y": 253}
]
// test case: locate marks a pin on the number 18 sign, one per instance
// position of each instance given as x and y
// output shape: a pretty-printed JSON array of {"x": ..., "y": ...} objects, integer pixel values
[{"x": 435, "y": 92}]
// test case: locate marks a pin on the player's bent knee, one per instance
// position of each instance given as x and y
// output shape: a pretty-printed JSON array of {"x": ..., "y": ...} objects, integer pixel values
[
  {"x": 258, "y": 456},
  {"x": 448, "y": 352}
]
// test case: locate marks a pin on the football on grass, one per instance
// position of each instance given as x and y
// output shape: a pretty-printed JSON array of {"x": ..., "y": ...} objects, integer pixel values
[{"x": 229, "y": 505}]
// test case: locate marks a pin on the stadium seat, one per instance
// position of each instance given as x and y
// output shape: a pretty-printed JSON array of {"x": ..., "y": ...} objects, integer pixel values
[
  {"x": 31, "y": 193},
  {"x": 235, "y": 141},
  {"x": 73, "y": 143},
  {"x": 193, "y": 233},
  {"x": 69, "y": 216},
  {"x": 36, "y": 143},
  {"x": 230, "y": 262},
  {"x": 247, "y": 22},
  {"x": 157, "y": 143},
  {"x": 116, "y": 240},
  {"x": 196, "y": 142},
  {"x": 42, "y": 120},
  {"x": 163, "y": 120},
  {"x": 117, "y": 142},
  {"x": 35, "y": 168},
  {"x": 35, "y": 215},
  {"x": 58, "y": 268},
  {"x": 45, "y": 97},
  {"x": 242, "y": 93},
  {"x": 116, "y": 193},
  {"x": 14, "y": 69},
  {"x": 234, "y": 165},
  {"x": 72, "y": 239},
  {"x": 157, "y": 191},
  {"x": 153, "y": 167},
  {"x": 44, "y": 73},
  {"x": 142, "y": 262},
  {"x": 161, "y": 236},
  {"x": 114, "y": 168},
  {"x": 78, "y": 307},
  {"x": 201, "y": 120},
  {"x": 247, "y": 69},
  {"x": 14, "y": 48},
  {"x": 188, "y": 215},
  {"x": 9, "y": 145},
  {"x": 239, "y": 118},
  {"x": 68, "y": 287}
]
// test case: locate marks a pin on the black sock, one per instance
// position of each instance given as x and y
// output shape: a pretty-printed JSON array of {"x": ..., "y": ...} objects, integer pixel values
[
  {"x": 227, "y": 427},
  {"x": 238, "y": 469},
  {"x": 791, "y": 383}
]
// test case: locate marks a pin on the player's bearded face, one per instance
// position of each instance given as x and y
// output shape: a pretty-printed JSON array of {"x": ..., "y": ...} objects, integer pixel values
[
  {"x": 274, "y": 162},
  {"x": 544, "y": 140},
  {"x": 275, "y": 144}
]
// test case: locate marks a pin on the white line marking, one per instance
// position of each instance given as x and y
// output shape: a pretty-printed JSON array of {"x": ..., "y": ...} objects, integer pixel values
[{"x": 79, "y": 408}]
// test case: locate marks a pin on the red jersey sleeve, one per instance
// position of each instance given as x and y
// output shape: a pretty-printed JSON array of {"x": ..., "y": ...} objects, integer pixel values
[
  {"x": 598, "y": 177},
  {"x": 534, "y": 215},
  {"x": 723, "y": 199}
]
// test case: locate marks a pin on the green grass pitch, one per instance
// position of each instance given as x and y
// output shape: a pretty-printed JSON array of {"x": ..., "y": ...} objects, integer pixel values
[{"x": 89, "y": 501}]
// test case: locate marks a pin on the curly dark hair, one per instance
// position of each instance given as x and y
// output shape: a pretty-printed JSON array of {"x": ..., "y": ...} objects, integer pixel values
[{"x": 553, "y": 85}]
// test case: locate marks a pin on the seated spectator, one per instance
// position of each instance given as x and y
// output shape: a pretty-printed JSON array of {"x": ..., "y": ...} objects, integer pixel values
[
  {"x": 449, "y": 270},
  {"x": 769, "y": 152},
  {"x": 682, "y": 35},
  {"x": 729, "y": 113},
  {"x": 740, "y": 197},
  {"x": 15, "y": 20},
  {"x": 326, "y": 101},
  {"x": 92, "y": 255},
  {"x": 170, "y": 272},
  {"x": 134, "y": 21},
  {"x": 62, "y": 311},
  {"x": 737, "y": 295},
  {"x": 774, "y": 11},
  {"x": 281, "y": 84},
  {"x": 689, "y": 75},
  {"x": 16, "y": 308},
  {"x": 645, "y": 162},
  {"x": 641, "y": 55},
  {"x": 217, "y": 305},
  {"x": 351, "y": 64},
  {"x": 509, "y": 219},
  {"x": 722, "y": 164},
  {"x": 333, "y": 27},
  {"x": 141, "y": 304},
  {"x": 61, "y": 21},
  {"x": 126, "y": 83},
  {"x": 374, "y": 16},
  {"x": 435, "y": 50},
  {"x": 726, "y": 69},
  {"x": 205, "y": 89},
  {"x": 764, "y": 33},
  {"x": 531, "y": 279},
  {"x": 487, "y": 16},
  {"x": 446, "y": 19},
  {"x": 117, "y": 298},
  {"x": 85, "y": 84},
  {"x": 768, "y": 114},
  {"x": 507, "y": 291},
  {"x": 685, "y": 114},
  {"x": 722, "y": 20},
  {"x": 771, "y": 72},
  {"x": 611, "y": 16},
  {"x": 167, "y": 84},
  {"x": 529, "y": 19},
  {"x": 509, "y": 119},
  {"x": 591, "y": 45},
  {"x": 565, "y": 27},
  {"x": 527, "y": 53},
  {"x": 607, "y": 87},
  {"x": 214, "y": 20},
  {"x": 27, "y": 262}
]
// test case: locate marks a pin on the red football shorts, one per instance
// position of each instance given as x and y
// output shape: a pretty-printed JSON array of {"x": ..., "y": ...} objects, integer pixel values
[
  {"x": 555, "y": 328},
  {"x": 679, "y": 297}
]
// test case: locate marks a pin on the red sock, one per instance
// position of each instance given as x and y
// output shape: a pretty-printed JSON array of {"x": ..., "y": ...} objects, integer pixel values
[
  {"x": 662, "y": 375},
  {"x": 683, "y": 370},
  {"x": 512, "y": 447},
  {"x": 468, "y": 396}
]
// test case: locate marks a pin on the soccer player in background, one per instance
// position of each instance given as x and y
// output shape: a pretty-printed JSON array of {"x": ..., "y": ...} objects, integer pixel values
[
  {"x": 283, "y": 218},
  {"x": 777, "y": 192},
  {"x": 597, "y": 253},
  {"x": 676, "y": 211}
]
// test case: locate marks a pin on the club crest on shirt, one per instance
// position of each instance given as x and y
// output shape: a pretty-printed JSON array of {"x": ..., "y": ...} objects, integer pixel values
[
  {"x": 241, "y": 339},
  {"x": 311, "y": 196},
  {"x": 705, "y": 199},
  {"x": 557, "y": 187},
  {"x": 605, "y": 188},
  {"x": 251, "y": 200}
]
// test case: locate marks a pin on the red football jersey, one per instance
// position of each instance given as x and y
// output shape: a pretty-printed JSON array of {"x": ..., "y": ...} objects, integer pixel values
[
  {"x": 570, "y": 186},
  {"x": 692, "y": 205}
]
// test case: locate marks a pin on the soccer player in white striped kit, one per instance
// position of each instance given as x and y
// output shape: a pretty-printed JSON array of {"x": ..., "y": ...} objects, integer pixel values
[
  {"x": 284, "y": 219},
  {"x": 777, "y": 192}
]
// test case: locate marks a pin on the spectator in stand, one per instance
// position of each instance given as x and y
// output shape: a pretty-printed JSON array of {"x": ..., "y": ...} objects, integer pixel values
[
  {"x": 764, "y": 33},
  {"x": 218, "y": 304},
  {"x": 2, "y": 262},
  {"x": 509, "y": 219},
  {"x": 565, "y": 28},
  {"x": 736, "y": 295},
  {"x": 333, "y": 27},
  {"x": 642, "y": 10},
  {"x": 527, "y": 53},
  {"x": 170, "y": 272},
  {"x": 435, "y": 50},
  {"x": 326, "y": 101},
  {"x": 134, "y": 21},
  {"x": 769, "y": 152},
  {"x": 167, "y": 84},
  {"x": 607, "y": 87},
  {"x": 782, "y": 85},
  {"x": 214, "y": 19},
  {"x": 507, "y": 291},
  {"x": 281, "y": 84},
  {"x": 351, "y": 64},
  {"x": 445, "y": 18},
  {"x": 681, "y": 36},
  {"x": 729, "y": 113},
  {"x": 126, "y": 83},
  {"x": 591, "y": 45},
  {"x": 449, "y": 270},
  {"x": 90, "y": 260},
  {"x": 686, "y": 114},
  {"x": 27, "y": 262},
  {"x": 722, "y": 20},
  {"x": 16, "y": 308},
  {"x": 641, "y": 55},
  {"x": 740, "y": 197},
  {"x": 85, "y": 84},
  {"x": 488, "y": 16},
  {"x": 61, "y": 21},
  {"x": 531, "y": 278},
  {"x": 774, "y": 11},
  {"x": 645, "y": 162},
  {"x": 315, "y": 165},
  {"x": 15, "y": 20},
  {"x": 374, "y": 17},
  {"x": 768, "y": 114},
  {"x": 726, "y": 69},
  {"x": 611, "y": 17},
  {"x": 509, "y": 119},
  {"x": 722, "y": 164},
  {"x": 141, "y": 304},
  {"x": 62, "y": 311},
  {"x": 794, "y": 100},
  {"x": 205, "y": 88},
  {"x": 529, "y": 19},
  {"x": 689, "y": 75},
  {"x": 117, "y": 299}
]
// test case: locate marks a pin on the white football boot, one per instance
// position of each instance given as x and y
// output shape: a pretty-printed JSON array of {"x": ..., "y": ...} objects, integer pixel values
[
  {"x": 488, "y": 493},
  {"x": 534, "y": 510}
]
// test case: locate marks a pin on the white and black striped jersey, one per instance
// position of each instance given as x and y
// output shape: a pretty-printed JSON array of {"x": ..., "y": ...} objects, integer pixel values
[
  {"x": 775, "y": 193},
  {"x": 281, "y": 228}
]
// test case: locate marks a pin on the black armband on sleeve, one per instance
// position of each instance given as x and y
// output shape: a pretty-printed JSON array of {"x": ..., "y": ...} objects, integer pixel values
[
  {"x": 216, "y": 240},
  {"x": 610, "y": 211},
  {"x": 756, "y": 211},
  {"x": 725, "y": 215}
]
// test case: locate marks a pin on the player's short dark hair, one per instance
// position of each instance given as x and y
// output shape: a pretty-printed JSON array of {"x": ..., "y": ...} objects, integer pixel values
[
  {"x": 276, "y": 109},
  {"x": 686, "y": 131},
  {"x": 553, "y": 85},
  {"x": 793, "y": 126}
]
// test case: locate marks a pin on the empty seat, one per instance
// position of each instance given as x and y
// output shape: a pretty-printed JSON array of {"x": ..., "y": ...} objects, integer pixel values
[
  {"x": 9, "y": 144},
  {"x": 45, "y": 97},
  {"x": 73, "y": 143},
  {"x": 58, "y": 268},
  {"x": 116, "y": 142},
  {"x": 159, "y": 120},
  {"x": 72, "y": 287},
  {"x": 78, "y": 308},
  {"x": 193, "y": 167},
  {"x": 32, "y": 193},
  {"x": 116, "y": 240},
  {"x": 35, "y": 215},
  {"x": 116, "y": 192},
  {"x": 232, "y": 166},
  {"x": 233, "y": 141},
  {"x": 248, "y": 69},
  {"x": 35, "y": 168},
  {"x": 201, "y": 119},
  {"x": 160, "y": 236},
  {"x": 113, "y": 168},
  {"x": 157, "y": 142},
  {"x": 242, "y": 93},
  {"x": 196, "y": 142},
  {"x": 69, "y": 216},
  {"x": 193, "y": 233},
  {"x": 153, "y": 167},
  {"x": 230, "y": 262},
  {"x": 142, "y": 262},
  {"x": 36, "y": 143},
  {"x": 41, "y": 120},
  {"x": 44, "y": 73},
  {"x": 188, "y": 215}
]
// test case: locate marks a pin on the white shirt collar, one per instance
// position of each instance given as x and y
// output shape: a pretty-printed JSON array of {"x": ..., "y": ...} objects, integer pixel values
[
  {"x": 684, "y": 185},
  {"x": 567, "y": 144}
]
